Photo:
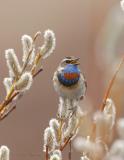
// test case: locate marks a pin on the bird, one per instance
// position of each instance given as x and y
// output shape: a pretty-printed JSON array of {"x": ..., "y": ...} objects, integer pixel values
[{"x": 68, "y": 80}]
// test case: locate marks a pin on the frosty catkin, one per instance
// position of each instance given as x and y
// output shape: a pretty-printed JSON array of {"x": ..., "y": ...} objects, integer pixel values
[
  {"x": 110, "y": 112},
  {"x": 84, "y": 158},
  {"x": 54, "y": 124},
  {"x": 7, "y": 83},
  {"x": 12, "y": 63},
  {"x": 117, "y": 148},
  {"x": 122, "y": 4},
  {"x": 49, "y": 139},
  {"x": 87, "y": 146},
  {"x": 55, "y": 157},
  {"x": 63, "y": 111},
  {"x": 27, "y": 44},
  {"x": 49, "y": 44},
  {"x": 24, "y": 83},
  {"x": 72, "y": 127},
  {"x": 58, "y": 152},
  {"x": 4, "y": 153},
  {"x": 120, "y": 127}
]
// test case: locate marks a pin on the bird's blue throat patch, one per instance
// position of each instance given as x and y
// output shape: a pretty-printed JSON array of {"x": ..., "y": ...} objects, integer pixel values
[{"x": 69, "y": 76}]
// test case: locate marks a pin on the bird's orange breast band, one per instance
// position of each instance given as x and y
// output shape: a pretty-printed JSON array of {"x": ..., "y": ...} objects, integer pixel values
[{"x": 71, "y": 76}]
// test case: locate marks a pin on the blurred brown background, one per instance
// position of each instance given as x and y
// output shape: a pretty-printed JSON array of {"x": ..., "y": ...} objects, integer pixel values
[{"x": 76, "y": 24}]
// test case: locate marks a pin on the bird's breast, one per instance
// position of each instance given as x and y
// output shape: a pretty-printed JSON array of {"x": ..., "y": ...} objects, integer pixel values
[{"x": 68, "y": 79}]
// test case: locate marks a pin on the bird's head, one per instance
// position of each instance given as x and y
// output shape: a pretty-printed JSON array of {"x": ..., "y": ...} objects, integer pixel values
[{"x": 69, "y": 60}]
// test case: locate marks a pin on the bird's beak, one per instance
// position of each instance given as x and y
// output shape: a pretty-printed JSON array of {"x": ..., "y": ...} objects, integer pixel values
[{"x": 75, "y": 61}]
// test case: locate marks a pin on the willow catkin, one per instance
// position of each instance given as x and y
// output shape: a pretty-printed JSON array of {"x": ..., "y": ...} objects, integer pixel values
[
  {"x": 27, "y": 44},
  {"x": 7, "y": 83},
  {"x": 24, "y": 83},
  {"x": 72, "y": 127},
  {"x": 49, "y": 44},
  {"x": 12, "y": 63},
  {"x": 4, "y": 153},
  {"x": 49, "y": 139},
  {"x": 54, "y": 124}
]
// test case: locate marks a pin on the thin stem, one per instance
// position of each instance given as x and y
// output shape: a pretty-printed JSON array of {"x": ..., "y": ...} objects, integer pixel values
[
  {"x": 93, "y": 133},
  {"x": 36, "y": 61},
  {"x": 10, "y": 92},
  {"x": 6, "y": 102},
  {"x": 36, "y": 35},
  {"x": 70, "y": 152},
  {"x": 27, "y": 59},
  {"x": 60, "y": 131},
  {"x": 37, "y": 73},
  {"x": 47, "y": 155},
  {"x": 40, "y": 70},
  {"x": 7, "y": 113},
  {"x": 65, "y": 144},
  {"x": 107, "y": 93}
]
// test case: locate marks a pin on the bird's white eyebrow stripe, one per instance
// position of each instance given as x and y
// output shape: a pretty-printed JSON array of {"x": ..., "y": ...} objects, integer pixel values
[{"x": 68, "y": 57}]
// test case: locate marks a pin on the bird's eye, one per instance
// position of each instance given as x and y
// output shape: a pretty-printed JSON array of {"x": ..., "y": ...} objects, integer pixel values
[{"x": 67, "y": 61}]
